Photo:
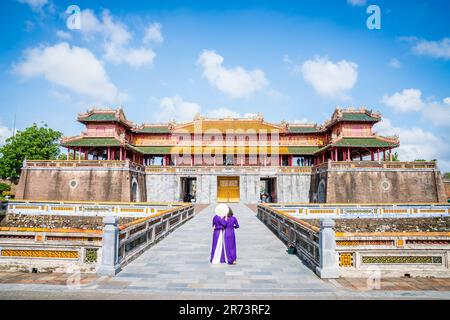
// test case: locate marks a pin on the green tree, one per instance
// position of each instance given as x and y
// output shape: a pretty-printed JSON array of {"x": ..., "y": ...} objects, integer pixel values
[
  {"x": 33, "y": 143},
  {"x": 4, "y": 187},
  {"x": 395, "y": 157},
  {"x": 447, "y": 175}
]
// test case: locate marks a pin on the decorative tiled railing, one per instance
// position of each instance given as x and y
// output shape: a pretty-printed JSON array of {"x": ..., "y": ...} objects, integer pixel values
[
  {"x": 107, "y": 164},
  {"x": 49, "y": 250},
  {"x": 369, "y": 210},
  {"x": 304, "y": 236},
  {"x": 227, "y": 169},
  {"x": 393, "y": 254},
  {"x": 361, "y": 165},
  {"x": 85, "y": 250},
  {"x": 373, "y": 254},
  {"x": 136, "y": 236},
  {"x": 89, "y": 208}
]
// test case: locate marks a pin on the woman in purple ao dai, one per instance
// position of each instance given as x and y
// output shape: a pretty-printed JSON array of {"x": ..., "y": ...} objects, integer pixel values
[
  {"x": 231, "y": 223},
  {"x": 218, "y": 225}
]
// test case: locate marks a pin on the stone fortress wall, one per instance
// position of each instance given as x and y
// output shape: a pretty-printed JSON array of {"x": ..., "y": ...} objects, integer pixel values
[
  {"x": 53, "y": 181},
  {"x": 362, "y": 182},
  {"x": 447, "y": 188},
  {"x": 332, "y": 182}
]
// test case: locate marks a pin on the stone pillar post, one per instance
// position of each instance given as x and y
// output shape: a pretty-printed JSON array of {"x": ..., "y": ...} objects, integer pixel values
[
  {"x": 328, "y": 268},
  {"x": 110, "y": 247}
]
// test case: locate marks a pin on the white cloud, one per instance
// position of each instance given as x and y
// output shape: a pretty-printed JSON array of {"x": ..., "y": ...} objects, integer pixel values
[
  {"x": 438, "y": 113},
  {"x": 136, "y": 57},
  {"x": 359, "y": 3},
  {"x": 36, "y": 5},
  {"x": 394, "y": 63},
  {"x": 74, "y": 68},
  {"x": 5, "y": 133},
  {"x": 405, "y": 101},
  {"x": 89, "y": 23},
  {"x": 175, "y": 108},
  {"x": 416, "y": 143},
  {"x": 329, "y": 78},
  {"x": 117, "y": 39},
  {"x": 222, "y": 113},
  {"x": 301, "y": 121},
  {"x": 435, "y": 49},
  {"x": 63, "y": 35},
  {"x": 250, "y": 115},
  {"x": 235, "y": 82},
  {"x": 153, "y": 33}
]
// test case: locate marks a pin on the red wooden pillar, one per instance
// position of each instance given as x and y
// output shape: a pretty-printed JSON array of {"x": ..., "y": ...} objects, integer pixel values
[
  {"x": 68, "y": 153},
  {"x": 74, "y": 153},
  {"x": 323, "y": 157},
  {"x": 348, "y": 155},
  {"x": 344, "y": 155},
  {"x": 372, "y": 158},
  {"x": 378, "y": 154},
  {"x": 336, "y": 154},
  {"x": 120, "y": 154},
  {"x": 384, "y": 154},
  {"x": 85, "y": 153}
]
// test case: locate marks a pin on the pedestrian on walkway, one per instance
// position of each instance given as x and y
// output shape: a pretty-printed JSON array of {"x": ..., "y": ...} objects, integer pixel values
[
  {"x": 218, "y": 225},
  {"x": 231, "y": 223}
]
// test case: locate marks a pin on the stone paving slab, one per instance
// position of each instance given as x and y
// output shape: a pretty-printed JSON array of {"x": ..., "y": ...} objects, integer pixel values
[{"x": 183, "y": 257}]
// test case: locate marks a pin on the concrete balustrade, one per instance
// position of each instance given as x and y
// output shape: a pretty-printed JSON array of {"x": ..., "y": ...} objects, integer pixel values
[
  {"x": 89, "y": 208},
  {"x": 363, "y": 254},
  {"x": 103, "y": 251}
]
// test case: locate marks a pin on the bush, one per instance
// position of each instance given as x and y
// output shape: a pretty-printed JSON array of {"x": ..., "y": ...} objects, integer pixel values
[{"x": 4, "y": 187}]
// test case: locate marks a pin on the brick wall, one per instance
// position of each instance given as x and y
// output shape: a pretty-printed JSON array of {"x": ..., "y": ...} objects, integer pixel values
[
  {"x": 372, "y": 186},
  {"x": 87, "y": 184},
  {"x": 447, "y": 188}
]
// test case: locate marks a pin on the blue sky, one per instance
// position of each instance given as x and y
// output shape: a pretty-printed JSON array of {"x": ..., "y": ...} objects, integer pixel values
[{"x": 290, "y": 60}]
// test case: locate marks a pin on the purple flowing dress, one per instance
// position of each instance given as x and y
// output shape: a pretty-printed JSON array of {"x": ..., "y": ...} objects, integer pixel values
[
  {"x": 230, "y": 239},
  {"x": 217, "y": 250}
]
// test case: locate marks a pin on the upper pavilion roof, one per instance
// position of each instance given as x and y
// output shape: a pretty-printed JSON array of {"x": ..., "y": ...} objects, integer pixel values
[
  {"x": 223, "y": 124},
  {"x": 353, "y": 115},
  {"x": 256, "y": 122},
  {"x": 105, "y": 115}
]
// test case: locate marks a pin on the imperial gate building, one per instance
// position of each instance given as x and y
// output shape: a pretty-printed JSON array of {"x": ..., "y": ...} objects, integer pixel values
[{"x": 231, "y": 160}]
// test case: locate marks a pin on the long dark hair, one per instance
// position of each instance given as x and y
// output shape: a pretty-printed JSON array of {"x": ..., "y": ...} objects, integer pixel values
[{"x": 230, "y": 213}]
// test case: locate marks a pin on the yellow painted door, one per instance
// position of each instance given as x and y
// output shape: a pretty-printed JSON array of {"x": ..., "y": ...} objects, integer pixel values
[{"x": 227, "y": 189}]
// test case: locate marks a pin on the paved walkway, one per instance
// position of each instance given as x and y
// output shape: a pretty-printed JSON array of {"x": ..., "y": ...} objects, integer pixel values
[
  {"x": 181, "y": 262},
  {"x": 178, "y": 268}
]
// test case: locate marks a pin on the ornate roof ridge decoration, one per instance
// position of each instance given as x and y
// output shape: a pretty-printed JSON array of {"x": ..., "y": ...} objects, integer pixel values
[
  {"x": 68, "y": 139},
  {"x": 118, "y": 115},
  {"x": 352, "y": 114},
  {"x": 256, "y": 119},
  {"x": 392, "y": 139}
]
